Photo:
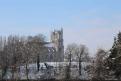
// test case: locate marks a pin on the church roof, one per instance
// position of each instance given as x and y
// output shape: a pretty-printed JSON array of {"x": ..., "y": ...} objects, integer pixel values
[{"x": 49, "y": 45}]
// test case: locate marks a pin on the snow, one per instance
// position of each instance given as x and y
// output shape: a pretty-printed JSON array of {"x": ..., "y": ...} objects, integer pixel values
[
  {"x": 57, "y": 71},
  {"x": 113, "y": 58},
  {"x": 49, "y": 45}
]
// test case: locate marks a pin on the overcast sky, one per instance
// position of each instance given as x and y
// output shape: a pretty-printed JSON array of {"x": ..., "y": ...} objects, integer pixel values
[{"x": 90, "y": 22}]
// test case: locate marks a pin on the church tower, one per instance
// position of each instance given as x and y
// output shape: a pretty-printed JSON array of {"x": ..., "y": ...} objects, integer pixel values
[{"x": 57, "y": 40}]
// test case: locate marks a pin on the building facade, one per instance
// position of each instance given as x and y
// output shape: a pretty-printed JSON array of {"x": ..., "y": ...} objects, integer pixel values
[{"x": 57, "y": 41}]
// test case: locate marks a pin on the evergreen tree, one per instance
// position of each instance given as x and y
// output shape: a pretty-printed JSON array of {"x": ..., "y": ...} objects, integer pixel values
[{"x": 115, "y": 57}]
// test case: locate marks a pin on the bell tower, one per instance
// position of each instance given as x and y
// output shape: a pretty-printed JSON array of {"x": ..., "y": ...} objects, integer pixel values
[{"x": 57, "y": 40}]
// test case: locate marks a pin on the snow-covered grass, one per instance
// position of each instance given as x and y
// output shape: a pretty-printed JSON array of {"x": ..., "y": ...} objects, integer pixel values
[{"x": 57, "y": 71}]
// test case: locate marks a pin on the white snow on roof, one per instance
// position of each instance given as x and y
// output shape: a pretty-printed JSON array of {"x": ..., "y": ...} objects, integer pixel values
[{"x": 49, "y": 45}]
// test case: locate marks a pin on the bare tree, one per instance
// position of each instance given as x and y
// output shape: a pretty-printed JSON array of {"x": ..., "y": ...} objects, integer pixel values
[
  {"x": 36, "y": 47},
  {"x": 69, "y": 56},
  {"x": 82, "y": 53},
  {"x": 16, "y": 51},
  {"x": 78, "y": 53},
  {"x": 26, "y": 58},
  {"x": 4, "y": 59},
  {"x": 100, "y": 69}
]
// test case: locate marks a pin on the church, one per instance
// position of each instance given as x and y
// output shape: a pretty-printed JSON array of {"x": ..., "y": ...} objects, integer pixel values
[{"x": 55, "y": 47}]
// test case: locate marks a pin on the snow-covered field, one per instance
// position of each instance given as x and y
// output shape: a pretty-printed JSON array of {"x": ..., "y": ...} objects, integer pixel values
[{"x": 57, "y": 71}]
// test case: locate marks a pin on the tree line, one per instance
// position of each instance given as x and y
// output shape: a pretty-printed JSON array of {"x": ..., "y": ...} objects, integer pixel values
[
  {"x": 16, "y": 51},
  {"x": 105, "y": 65}
]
